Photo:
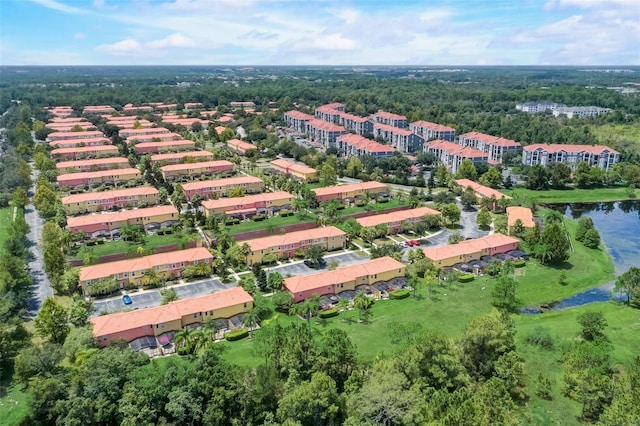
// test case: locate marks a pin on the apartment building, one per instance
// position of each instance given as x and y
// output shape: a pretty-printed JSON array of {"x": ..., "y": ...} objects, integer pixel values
[
  {"x": 324, "y": 132},
  {"x": 92, "y": 165},
  {"x": 242, "y": 104},
  {"x": 141, "y": 133},
  {"x": 580, "y": 112},
  {"x": 482, "y": 191},
  {"x": 452, "y": 155},
  {"x": 267, "y": 202},
  {"x": 240, "y": 147},
  {"x": 130, "y": 109},
  {"x": 470, "y": 250},
  {"x": 182, "y": 157},
  {"x": 98, "y": 109},
  {"x": 494, "y": 146},
  {"x": 523, "y": 214},
  {"x": 596, "y": 155},
  {"x": 164, "y": 147},
  {"x": 298, "y": 171},
  {"x": 186, "y": 122},
  {"x": 395, "y": 220},
  {"x": 129, "y": 273},
  {"x": 357, "y": 146},
  {"x": 113, "y": 177},
  {"x": 160, "y": 322},
  {"x": 401, "y": 139},
  {"x": 536, "y": 107},
  {"x": 192, "y": 171},
  {"x": 351, "y": 191},
  {"x": 65, "y": 127},
  {"x": 284, "y": 246},
  {"x": 109, "y": 224},
  {"x": 430, "y": 131},
  {"x": 192, "y": 105},
  {"x": 222, "y": 187},
  {"x": 350, "y": 277},
  {"x": 109, "y": 200},
  {"x": 355, "y": 124},
  {"x": 67, "y": 136},
  {"x": 75, "y": 143},
  {"x": 297, "y": 120},
  {"x": 330, "y": 112},
  {"x": 61, "y": 111},
  {"x": 390, "y": 119},
  {"x": 131, "y": 124},
  {"x": 85, "y": 152}
]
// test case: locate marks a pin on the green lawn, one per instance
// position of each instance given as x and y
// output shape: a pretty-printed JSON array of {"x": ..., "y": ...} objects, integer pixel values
[
  {"x": 14, "y": 403},
  {"x": 275, "y": 222},
  {"x": 618, "y": 136},
  {"x": 571, "y": 195},
  {"x": 112, "y": 247},
  {"x": 6, "y": 218},
  {"x": 372, "y": 207},
  {"x": 623, "y": 332}
]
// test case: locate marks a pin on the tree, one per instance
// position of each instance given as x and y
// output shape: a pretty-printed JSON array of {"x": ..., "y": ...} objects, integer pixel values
[
  {"x": 625, "y": 406},
  {"x": 518, "y": 227},
  {"x": 582, "y": 175},
  {"x": 442, "y": 175},
  {"x": 537, "y": 178},
  {"x": 584, "y": 224},
  {"x": 591, "y": 238},
  {"x": 492, "y": 178},
  {"x": 354, "y": 167},
  {"x": 455, "y": 238},
  {"x": 282, "y": 300},
  {"x": 20, "y": 198},
  {"x": 52, "y": 321},
  {"x": 451, "y": 212},
  {"x": 151, "y": 278},
  {"x": 504, "y": 293},
  {"x": 484, "y": 218},
  {"x": 275, "y": 281},
  {"x": 629, "y": 283},
  {"x": 250, "y": 320},
  {"x": 468, "y": 198},
  {"x": 593, "y": 324},
  {"x": 328, "y": 175},
  {"x": 560, "y": 175},
  {"x": 169, "y": 295},
  {"x": 555, "y": 239},
  {"x": 467, "y": 170},
  {"x": 79, "y": 311},
  {"x": 483, "y": 342},
  {"x": 362, "y": 303},
  {"x": 36, "y": 360},
  {"x": 178, "y": 197},
  {"x": 315, "y": 254},
  {"x": 236, "y": 192},
  {"x": 313, "y": 402},
  {"x": 44, "y": 200}
]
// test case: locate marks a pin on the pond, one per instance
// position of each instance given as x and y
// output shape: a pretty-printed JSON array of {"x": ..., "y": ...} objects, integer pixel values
[{"x": 619, "y": 227}]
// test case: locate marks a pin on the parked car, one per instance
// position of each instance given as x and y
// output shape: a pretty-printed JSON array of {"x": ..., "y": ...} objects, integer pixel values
[
  {"x": 126, "y": 299},
  {"x": 413, "y": 243},
  {"x": 321, "y": 263}
]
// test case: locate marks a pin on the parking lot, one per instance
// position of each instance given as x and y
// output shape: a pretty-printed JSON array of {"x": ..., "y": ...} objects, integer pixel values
[
  {"x": 151, "y": 298},
  {"x": 299, "y": 268}
]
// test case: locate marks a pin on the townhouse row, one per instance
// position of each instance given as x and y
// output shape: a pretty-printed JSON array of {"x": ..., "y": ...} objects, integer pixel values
[
  {"x": 395, "y": 221},
  {"x": 470, "y": 250},
  {"x": 110, "y": 224},
  {"x": 483, "y": 192},
  {"x": 192, "y": 171},
  {"x": 267, "y": 202},
  {"x": 92, "y": 165},
  {"x": 452, "y": 155},
  {"x": 113, "y": 177},
  {"x": 298, "y": 171},
  {"x": 351, "y": 192}
]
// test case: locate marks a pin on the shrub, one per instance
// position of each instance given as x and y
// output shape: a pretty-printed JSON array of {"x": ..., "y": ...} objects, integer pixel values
[
  {"x": 519, "y": 263},
  {"x": 361, "y": 203},
  {"x": 328, "y": 313},
  {"x": 258, "y": 218},
  {"x": 236, "y": 335},
  {"x": 466, "y": 278},
  {"x": 340, "y": 207},
  {"x": 285, "y": 213},
  {"x": 100, "y": 241},
  {"x": 540, "y": 336},
  {"x": 382, "y": 200},
  {"x": 91, "y": 242},
  {"x": 399, "y": 294},
  {"x": 160, "y": 232}
]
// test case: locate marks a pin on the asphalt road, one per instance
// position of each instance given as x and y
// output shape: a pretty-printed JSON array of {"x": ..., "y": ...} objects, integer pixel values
[
  {"x": 299, "y": 268},
  {"x": 41, "y": 284}
]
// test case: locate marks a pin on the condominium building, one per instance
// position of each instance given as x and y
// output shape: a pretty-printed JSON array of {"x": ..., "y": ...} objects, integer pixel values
[
  {"x": 242, "y": 104},
  {"x": 494, "y": 146},
  {"x": 92, "y": 165},
  {"x": 297, "y": 120},
  {"x": 358, "y": 146},
  {"x": 182, "y": 157},
  {"x": 452, "y": 155},
  {"x": 129, "y": 109},
  {"x": 390, "y": 119},
  {"x": 66, "y": 127},
  {"x": 163, "y": 147},
  {"x": 298, "y": 171},
  {"x": 192, "y": 171},
  {"x": 240, "y": 147},
  {"x": 77, "y": 143},
  {"x": 580, "y": 112},
  {"x": 85, "y": 152},
  {"x": 67, "y": 136},
  {"x": 470, "y": 250},
  {"x": 186, "y": 122},
  {"x": 430, "y": 131},
  {"x": 395, "y": 220},
  {"x": 110, "y": 224},
  {"x": 137, "y": 133},
  {"x": 344, "y": 278},
  {"x": 156, "y": 327},
  {"x": 536, "y": 107},
  {"x": 351, "y": 191},
  {"x": 154, "y": 138},
  {"x": 113, "y": 177},
  {"x": 98, "y": 109},
  {"x": 108, "y": 200},
  {"x": 284, "y": 246},
  {"x": 355, "y": 124},
  {"x": 129, "y": 273},
  {"x": 596, "y": 155},
  {"x": 192, "y": 105},
  {"x": 267, "y": 202},
  {"x": 401, "y": 139},
  {"x": 222, "y": 187},
  {"x": 330, "y": 112},
  {"x": 324, "y": 132}
]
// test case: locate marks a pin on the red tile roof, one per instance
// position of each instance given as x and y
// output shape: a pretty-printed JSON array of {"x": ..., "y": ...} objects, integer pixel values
[
  {"x": 288, "y": 165},
  {"x": 389, "y": 115},
  {"x": 299, "y": 115},
  {"x": 182, "y": 142},
  {"x": 554, "y": 148},
  {"x": 468, "y": 247},
  {"x": 118, "y": 193},
  {"x": 365, "y": 144},
  {"x": 303, "y": 283},
  {"x": 338, "y": 189},
  {"x": 92, "y": 219},
  {"x": 490, "y": 140},
  {"x": 398, "y": 216},
  {"x": 177, "y": 155},
  {"x": 105, "y": 325},
  {"x": 92, "y": 162},
  {"x": 248, "y": 199},
  {"x": 293, "y": 238},
  {"x": 98, "y": 174},
  {"x": 455, "y": 149},
  {"x": 112, "y": 148},
  {"x": 432, "y": 126},
  {"x": 220, "y": 182},
  {"x": 101, "y": 140},
  {"x": 523, "y": 213},
  {"x": 483, "y": 191},
  {"x": 392, "y": 129},
  {"x": 224, "y": 164},
  {"x": 75, "y": 135},
  {"x": 238, "y": 144},
  {"x": 325, "y": 125}
]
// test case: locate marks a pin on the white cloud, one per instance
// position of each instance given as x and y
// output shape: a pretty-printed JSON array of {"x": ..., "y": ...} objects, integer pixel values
[
  {"x": 154, "y": 48},
  {"x": 174, "y": 40},
  {"x": 79, "y": 36},
  {"x": 59, "y": 6},
  {"x": 126, "y": 47},
  {"x": 589, "y": 4}
]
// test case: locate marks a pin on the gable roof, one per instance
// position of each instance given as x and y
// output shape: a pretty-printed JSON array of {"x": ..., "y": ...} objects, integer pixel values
[
  {"x": 92, "y": 219},
  {"x": 198, "y": 165},
  {"x": 91, "y": 162},
  {"x": 468, "y": 247},
  {"x": 105, "y": 195},
  {"x": 490, "y": 140},
  {"x": 288, "y": 165},
  {"x": 483, "y": 191},
  {"x": 432, "y": 126},
  {"x": 398, "y": 216},
  {"x": 248, "y": 199},
  {"x": 190, "y": 186},
  {"x": 339, "y": 189},
  {"x": 293, "y": 237},
  {"x": 523, "y": 213},
  {"x": 555, "y": 148}
]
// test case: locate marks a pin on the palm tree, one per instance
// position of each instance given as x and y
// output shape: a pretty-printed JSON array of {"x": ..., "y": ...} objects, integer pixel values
[
  {"x": 541, "y": 251},
  {"x": 66, "y": 239},
  {"x": 246, "y": 251},
  {"x": 184, "y": 339},
  {"x": 362, "y": 303},
  {"x": 250, "y": 320},
  {"x": 553, "y": 216},
  {"x": 151, "y": 277},
  {"x": 200, "y": 338},
  {"x": 343, "y": 304},
  {"x": 168, "y": 296},
  {"x": 312, "y": 307}
]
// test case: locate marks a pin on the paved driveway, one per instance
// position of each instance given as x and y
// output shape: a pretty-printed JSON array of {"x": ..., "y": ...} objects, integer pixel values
[
  {"x": 299, "y": 268},
  {"x": 151, "y": 298}
]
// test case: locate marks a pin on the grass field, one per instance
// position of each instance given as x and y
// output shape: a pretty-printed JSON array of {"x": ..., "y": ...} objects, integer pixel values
[
  {"x": 572, "y": 195},
  {"x": 275, "y": 221},
  {"x": 112, "y": 247},
  {"x": 6, "y": 218},
  {"x": 619, "y": 136},
  {"x": 14, "y": 403}
]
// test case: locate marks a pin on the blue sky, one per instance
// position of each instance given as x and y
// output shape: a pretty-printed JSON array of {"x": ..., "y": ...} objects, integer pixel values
[{"x": 322, "y": 32}]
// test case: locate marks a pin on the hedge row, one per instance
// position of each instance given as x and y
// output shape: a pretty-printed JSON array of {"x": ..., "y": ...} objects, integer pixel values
[
  {"x": 333, "y": 312},
  {"x": 258, "y": 218},
  {"x": 519, "y": 263},
  {"x": 236, "y": 335},
  {"x": 399, "y": 294},
  {"x": 466, "y": 278}
]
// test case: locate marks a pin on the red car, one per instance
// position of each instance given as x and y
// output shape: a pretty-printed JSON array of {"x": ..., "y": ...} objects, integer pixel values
[{"x": 413, "y": 243}]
